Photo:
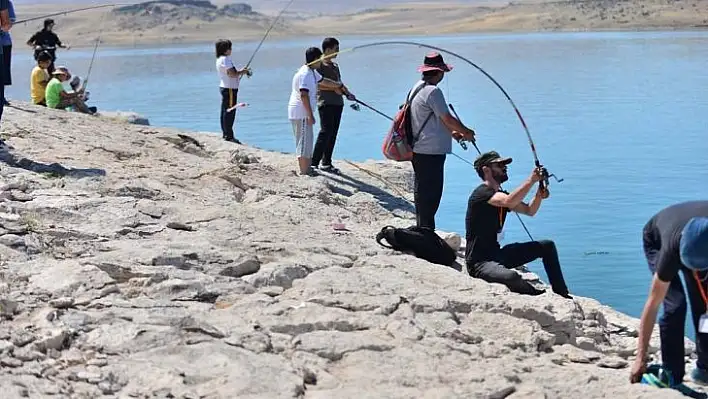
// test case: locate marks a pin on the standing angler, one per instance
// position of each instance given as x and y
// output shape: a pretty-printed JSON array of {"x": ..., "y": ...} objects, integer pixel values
[
  {"x": 6, "y": 41},
  {"x": 676, "y": 239},
  {"x": 433, "y": 128},
  {"x": 229, "y": 78},
  {"x": 330, "y": 105},
  {"x": 5, "y": 25},
  {"x": 301, "y": 107}
]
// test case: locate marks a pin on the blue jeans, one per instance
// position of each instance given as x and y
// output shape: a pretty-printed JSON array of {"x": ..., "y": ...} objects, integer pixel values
[{"x": 673, "y": 320}]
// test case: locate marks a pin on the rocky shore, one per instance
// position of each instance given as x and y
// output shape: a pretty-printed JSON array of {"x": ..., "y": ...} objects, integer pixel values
[{"x": 145, "y": 262}]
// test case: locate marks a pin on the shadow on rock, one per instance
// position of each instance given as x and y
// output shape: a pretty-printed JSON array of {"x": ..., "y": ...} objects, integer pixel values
[
  {"x": 388, "y": 201},
  {"x": 53, "y": 168}
]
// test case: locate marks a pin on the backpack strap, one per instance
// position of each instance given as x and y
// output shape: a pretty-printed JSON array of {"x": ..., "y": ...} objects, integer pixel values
[{"x": 409, "y": 100}]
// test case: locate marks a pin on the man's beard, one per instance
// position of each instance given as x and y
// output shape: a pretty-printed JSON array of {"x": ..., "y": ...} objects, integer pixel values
[{"x": 500, "y": 177}]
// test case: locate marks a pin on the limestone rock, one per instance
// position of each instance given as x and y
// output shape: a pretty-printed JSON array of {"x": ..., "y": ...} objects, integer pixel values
[{"x": 134, "y": 268}]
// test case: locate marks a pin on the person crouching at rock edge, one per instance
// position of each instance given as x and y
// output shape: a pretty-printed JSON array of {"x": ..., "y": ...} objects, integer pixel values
[
  {"x": 229, "y": 78},
  {"x": 676, "y": 239},
  {"x": 303, "y": 98},
  {"x": 487, "y": 208},
  {"x": 433, "y": 128}
]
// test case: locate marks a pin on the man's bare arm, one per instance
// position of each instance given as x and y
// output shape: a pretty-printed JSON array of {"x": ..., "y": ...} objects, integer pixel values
[
  {"x": 532, "y": 208},
  {"x": 646, "y": 325},
  {"x": 454, "y": 125},
  {"x": 5, "y": 22},
  {"x": 513, "y": 199},
  {"x": 329, "y": 84}
]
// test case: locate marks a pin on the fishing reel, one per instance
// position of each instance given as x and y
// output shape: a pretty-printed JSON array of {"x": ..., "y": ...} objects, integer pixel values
[
  {"x": 355, "y": 106},
  {"x": 545, "y": 177}
]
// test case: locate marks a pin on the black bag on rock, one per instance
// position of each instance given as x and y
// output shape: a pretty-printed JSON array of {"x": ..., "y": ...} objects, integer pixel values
[{"x": 419, "y": 241}]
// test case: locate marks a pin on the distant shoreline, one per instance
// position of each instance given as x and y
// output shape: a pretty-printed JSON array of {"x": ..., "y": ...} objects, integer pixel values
[
  {"x": 188, "y": 26},
  {"x": 282, "y": 38}
]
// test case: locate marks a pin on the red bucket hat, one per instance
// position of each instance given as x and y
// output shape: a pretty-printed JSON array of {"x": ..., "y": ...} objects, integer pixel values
[{"x": 434, "y": 62}]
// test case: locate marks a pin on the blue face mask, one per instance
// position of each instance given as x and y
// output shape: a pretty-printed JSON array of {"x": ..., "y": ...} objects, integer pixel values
[{"x": 693, "y": 247}]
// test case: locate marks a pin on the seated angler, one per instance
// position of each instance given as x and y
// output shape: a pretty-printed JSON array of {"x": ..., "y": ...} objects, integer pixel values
[
  {"x": 487, "y": 208},
  {"x": 57, "y": 97},
  {"x": 77, "y": 86}
]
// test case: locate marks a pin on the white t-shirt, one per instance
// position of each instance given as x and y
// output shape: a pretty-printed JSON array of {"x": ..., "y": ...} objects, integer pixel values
[
  {"x": 223, "y": 64},
  {"x": 305, "y": 78}
]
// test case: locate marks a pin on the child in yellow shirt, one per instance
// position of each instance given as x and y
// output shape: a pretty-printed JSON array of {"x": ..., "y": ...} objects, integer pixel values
[{"x": 39, "y": 79}]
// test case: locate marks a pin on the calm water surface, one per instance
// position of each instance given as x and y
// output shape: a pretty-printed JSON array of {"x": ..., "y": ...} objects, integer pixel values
[{"x": 620, "y": 116}]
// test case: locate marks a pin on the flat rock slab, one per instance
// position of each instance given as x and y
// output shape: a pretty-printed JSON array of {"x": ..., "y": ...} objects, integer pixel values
[{"x": 175, "y": 264}]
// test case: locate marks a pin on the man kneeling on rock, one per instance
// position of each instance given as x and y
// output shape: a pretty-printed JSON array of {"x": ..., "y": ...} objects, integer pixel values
[{"x": 487, "y": 208}]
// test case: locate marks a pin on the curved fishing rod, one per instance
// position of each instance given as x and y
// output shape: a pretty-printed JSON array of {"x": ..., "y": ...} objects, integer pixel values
[
  {"x": 462, "y": 144},
  {"x": 546, "y": 175},
  {"x": 68, "y": 12},
  {"x": 266, "y": 34}
]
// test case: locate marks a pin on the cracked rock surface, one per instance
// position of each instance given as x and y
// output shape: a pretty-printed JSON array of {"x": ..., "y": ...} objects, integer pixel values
[{"x": 142, "y": 262}]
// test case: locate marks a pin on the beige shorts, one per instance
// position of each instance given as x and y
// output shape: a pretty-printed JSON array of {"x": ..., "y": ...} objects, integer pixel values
[{"x": 303, "y": 137}]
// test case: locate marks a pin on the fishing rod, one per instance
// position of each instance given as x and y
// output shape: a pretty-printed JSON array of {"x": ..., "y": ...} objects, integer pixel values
[
  {"x": 93, "y": 56},
  {"x": 546, "y": 174},
  {"x": 68, "y": 12},
  {"x": 462, "y": 144},
  {"x": 266, "y": 34},
  {"x": 480, "y": 153}
]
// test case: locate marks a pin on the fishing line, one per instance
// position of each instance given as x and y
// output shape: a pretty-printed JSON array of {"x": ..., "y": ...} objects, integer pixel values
[
  {"x": 69, "y": 12},
  {"x": 266, "y": 34},
  {"x": 538, "y": 164}
]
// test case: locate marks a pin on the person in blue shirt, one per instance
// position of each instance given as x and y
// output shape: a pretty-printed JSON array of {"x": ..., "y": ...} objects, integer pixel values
[
  {"x": 6, "y": 42},
  {"x": 5, "y": 26}
]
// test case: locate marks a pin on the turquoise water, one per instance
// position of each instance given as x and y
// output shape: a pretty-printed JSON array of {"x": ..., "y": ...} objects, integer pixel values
[{"x": 619, "y": 116}]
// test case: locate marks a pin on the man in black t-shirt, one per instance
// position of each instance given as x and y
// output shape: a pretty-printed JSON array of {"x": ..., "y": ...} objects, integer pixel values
[
  {"x": 487, "y": 208},
  {"x": 676, "y": 239}
]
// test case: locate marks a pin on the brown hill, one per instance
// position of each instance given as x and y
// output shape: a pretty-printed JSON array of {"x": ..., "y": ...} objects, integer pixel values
[{"x": 201, "y": 21}]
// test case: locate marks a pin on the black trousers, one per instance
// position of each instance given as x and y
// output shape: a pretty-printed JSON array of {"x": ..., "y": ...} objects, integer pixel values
[
  {"x": 2, "y": 86},
  {"x": 7, "y": 63},
  {"x": 673, "y": 319},
  {"x": 330, "y": 118},
  {"x": 514, "y": 255},
  {"x": 429, "y": 175},
  {"x": 228, "y": 100}
]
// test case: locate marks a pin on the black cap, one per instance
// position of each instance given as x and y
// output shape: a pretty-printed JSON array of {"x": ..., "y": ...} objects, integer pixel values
[{"x": 489, "y": 158}]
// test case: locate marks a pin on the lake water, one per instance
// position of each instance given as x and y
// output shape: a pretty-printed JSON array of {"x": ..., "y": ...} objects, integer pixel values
[{"x": 619, "y": 116}]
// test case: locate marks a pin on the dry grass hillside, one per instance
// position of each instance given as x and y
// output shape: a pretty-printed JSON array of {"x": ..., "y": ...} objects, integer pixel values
[{"x": 166, "y": 23}]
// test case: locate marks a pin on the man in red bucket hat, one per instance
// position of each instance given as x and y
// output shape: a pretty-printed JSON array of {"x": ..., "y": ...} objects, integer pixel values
[{"x": 433, "y": 128}]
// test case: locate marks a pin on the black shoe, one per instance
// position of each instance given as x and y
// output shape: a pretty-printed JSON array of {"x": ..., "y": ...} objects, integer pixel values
[
  {"x": 93, "y": 109},
  {"x": 564, "y": 294},
  {"x": 5, "y": 102},
  {"x": 232, "y": 139},
  {"x": 330, "y": 169}
]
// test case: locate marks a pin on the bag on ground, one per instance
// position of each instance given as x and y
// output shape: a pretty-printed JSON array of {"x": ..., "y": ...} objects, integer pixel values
[{"x": 419, "y": 241}]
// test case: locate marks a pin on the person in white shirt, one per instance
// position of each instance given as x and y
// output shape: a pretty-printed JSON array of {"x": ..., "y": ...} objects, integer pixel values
[
  {"x": 229, "y": 78},
  {"x": 303, "y": 98}
]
